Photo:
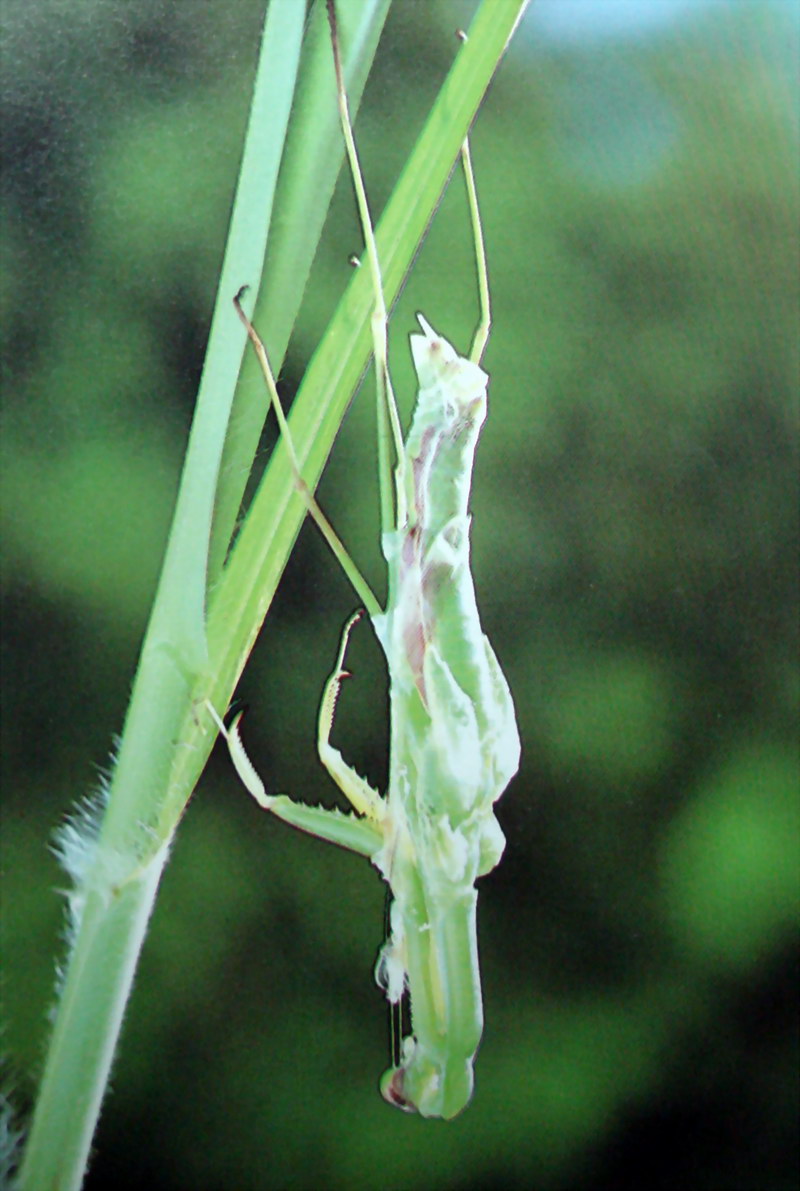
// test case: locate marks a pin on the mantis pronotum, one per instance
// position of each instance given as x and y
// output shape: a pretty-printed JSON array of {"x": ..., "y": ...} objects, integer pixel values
[{"x": 454, "y": 741}]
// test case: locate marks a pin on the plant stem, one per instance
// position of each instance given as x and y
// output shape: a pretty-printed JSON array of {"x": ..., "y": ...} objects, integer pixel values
[{"x": 86, "y": 1030}]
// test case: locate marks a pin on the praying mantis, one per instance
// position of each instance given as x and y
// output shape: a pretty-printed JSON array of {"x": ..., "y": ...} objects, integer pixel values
[{"x": 454, "y": 743}]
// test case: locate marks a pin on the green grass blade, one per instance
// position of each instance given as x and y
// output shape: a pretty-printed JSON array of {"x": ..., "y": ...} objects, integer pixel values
[
  {"x": 179, "y": 609},
  {"x": 119, "y": 871}
]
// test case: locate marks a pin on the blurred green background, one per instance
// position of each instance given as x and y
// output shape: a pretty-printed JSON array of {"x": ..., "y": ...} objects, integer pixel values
[{"x": 635, "y": 547}]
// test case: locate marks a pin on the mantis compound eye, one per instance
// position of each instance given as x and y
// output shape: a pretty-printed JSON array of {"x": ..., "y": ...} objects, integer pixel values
[{"x": 392, "y": 1089}]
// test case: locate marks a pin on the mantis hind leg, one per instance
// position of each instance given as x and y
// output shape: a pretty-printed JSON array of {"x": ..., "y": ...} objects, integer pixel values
[
  {"x": 359, "y": 583},
  {"x": 484, "y": 299},
  {"x": 390, "y": 435}
]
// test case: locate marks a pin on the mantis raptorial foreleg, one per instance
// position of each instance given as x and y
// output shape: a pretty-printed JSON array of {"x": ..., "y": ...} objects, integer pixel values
[
  {"x": 362, "y": 834},
  {"x": 360, "y": 794},
  {"x": 454, "y": 740}
]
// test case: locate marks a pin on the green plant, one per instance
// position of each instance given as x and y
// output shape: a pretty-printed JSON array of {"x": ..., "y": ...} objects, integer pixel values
[{"x": 207, "y": 610}]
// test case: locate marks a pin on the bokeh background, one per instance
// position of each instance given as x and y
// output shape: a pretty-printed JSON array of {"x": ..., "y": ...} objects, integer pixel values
[{"x": 635, "y": 552}]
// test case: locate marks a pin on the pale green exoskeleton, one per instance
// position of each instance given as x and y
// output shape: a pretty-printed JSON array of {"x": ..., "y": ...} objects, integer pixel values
[{"x": 454, "y": 741}]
